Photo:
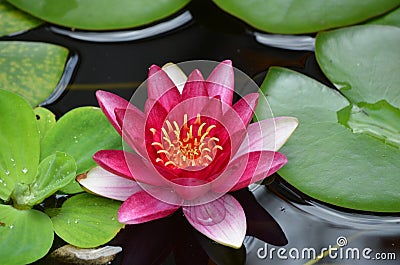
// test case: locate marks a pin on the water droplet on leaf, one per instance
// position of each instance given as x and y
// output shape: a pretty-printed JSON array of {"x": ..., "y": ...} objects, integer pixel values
[{"x": 24, "y": 170}]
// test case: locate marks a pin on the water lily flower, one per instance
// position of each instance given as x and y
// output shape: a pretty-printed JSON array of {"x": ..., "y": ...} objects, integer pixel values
[{"x": 191, "y": 148}]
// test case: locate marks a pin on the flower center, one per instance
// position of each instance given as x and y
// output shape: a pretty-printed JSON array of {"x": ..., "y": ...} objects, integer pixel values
[{"x": 190, "y": 145}]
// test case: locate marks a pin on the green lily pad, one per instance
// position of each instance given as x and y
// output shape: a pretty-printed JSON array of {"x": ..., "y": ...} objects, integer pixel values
[
  {"x": 31, "y": 69},
  {"x": 87, "y": 221},
  {"x": 327, "y": 161},
  {"x": 15, "y": 21},
  {"x": 54, "y": 172},
  {"x": 390, "y": 19},
  {"x": 45, "y": 120},
  {"x": 19, "y": 141},
  {"x": 81, "y": 133},
  {"x": 100, "y": 14},
  {"x": 346, "y": 150},
  {"x": 361, "y": 62},
  {"x": 26, "y": 235},
  {"x": 304, "y": 16}
]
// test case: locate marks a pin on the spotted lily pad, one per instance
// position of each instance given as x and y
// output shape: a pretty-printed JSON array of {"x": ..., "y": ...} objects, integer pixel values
[
  {"x": 15, "y": 21},
  {"x": 31, "y": 69},
  {"x": 100, "y": 14},
  {"x": 304, "y": 16},
  {"x": 346, "y": 150},
  {"x": 87, "y": 220},
  {"x": 26, "y": 235}
]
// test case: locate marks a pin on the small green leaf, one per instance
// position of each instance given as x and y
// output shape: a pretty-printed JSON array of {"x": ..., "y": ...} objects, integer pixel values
[
  {"x": 19, "y": 141},
  {"x": 54, "y": 172},
  {"x": 391, "y": 19},
  {"x": 100, "y": 14},
  {"x": 81, "y": 133},
  {"x": 304, "y": 16},
  {"x": 15, "y": 21},
  {"x": 26, "y": 235},
  {"x": 87, "y": 221},
  {"x": 31, "y": 69},
  {"x": 45, "y": 120}
]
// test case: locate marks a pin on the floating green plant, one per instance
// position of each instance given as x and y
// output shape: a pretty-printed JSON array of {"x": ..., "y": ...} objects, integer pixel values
[
  {"x": 346, "y": 149},
  {"x": 32, "y": 169}
]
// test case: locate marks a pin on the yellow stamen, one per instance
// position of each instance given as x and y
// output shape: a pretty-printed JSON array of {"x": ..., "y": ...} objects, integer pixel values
[
  {"x": 163, "y": 152},
  {"x": 182, "y": 147},
  {"x": 170, "y": 163},
  {"x": 157, "y": 144},
  {"x": 185, "y": 121},
  {"x": 198, "y": 119},
  {"x": 203, "y": 137},
  {"x": 168, "y": 141},
  {"x": 170, "y": 129},
  {"x": 210, "y": 128},
  {"x": 200, "y": 128}
]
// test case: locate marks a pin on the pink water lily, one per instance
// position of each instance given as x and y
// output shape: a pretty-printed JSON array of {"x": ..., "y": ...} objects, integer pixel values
[{"x": 191, "y": 148}]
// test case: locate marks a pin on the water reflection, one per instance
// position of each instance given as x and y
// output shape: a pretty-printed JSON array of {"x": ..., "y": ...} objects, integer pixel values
[
  {"x": 356, "y": 238},
  {"x": 64, "y": 80},
  {"x": 289, "y": 42},
  {"x": 127, "y": 35},
  {"x": 152, "y": 242}
]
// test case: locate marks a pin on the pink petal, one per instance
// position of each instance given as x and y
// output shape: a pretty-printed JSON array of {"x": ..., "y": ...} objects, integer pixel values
[
  {"x": 161, "y": 88},
  {"x": 236, "y": 128},
  {"x": 128, "y": 165},
  {"x": 228, "y": 178},
  {"x": 176, "y": 74},
  {"x": 212, "y": 107},
  {"x": 189, "y": 189},
  {"x": 106, "y": 184},
  {"x": 155, "y": 115},
  {"x": 132, "y": 122},
  {"x": 108, "y": 103},
  {"x": 142, "y": 207},
  {"x": 261, "y": 164},
  {"x": 114, "y": 162},
  {"x": 270, "y": 134},
  {"x": 222, "y": 220},
  {"x": 194, "y": 86},
  {"x": 245, "y": 107},
  {"x": 221, "y": 82}
]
